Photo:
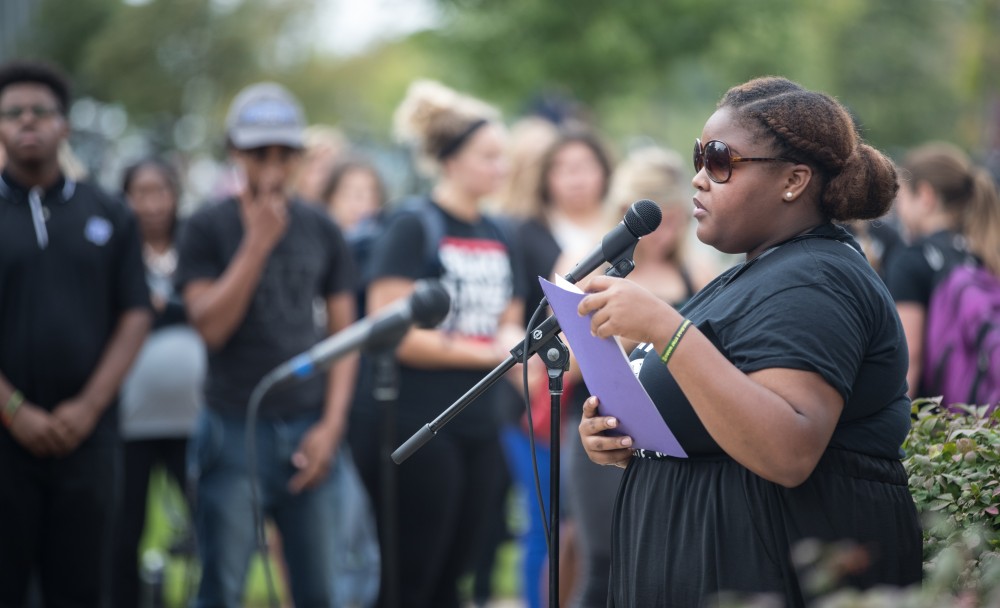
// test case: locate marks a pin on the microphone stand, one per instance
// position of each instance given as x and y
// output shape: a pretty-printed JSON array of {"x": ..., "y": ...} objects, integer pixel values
[
  {"x": 557, "y": 363},
  {"x": 544, "y": 337},
  {"x": 385, "y": 391}
]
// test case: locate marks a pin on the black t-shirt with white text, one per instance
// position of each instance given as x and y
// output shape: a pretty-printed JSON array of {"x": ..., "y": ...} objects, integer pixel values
[
  {"x": 816, "y": 305},
  {"x": 477, "y": 270},
  {"x": 310, "y": 261}
]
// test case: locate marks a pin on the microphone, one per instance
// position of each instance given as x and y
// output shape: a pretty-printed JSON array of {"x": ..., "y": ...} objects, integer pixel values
[
  {"x": 616, "y": 248},
  {"x": 641, "y": 218},
  {"x": 426, "y": 307}
]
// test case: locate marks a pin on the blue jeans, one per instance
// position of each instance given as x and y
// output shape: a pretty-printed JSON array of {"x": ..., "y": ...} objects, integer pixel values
[
  {"x": 356, "y": 582},
  {"x": 533, "y": 545},
  {"x": 217, "y": 466}
]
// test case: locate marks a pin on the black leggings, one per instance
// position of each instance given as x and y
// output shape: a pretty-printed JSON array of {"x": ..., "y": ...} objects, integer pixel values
[
  {"x": 140, "y": 458},
  {"x": 444, "y": 492}
]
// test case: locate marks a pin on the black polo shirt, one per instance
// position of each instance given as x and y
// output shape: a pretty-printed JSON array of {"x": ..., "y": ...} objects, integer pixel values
[{"x": 63, "y": 287}]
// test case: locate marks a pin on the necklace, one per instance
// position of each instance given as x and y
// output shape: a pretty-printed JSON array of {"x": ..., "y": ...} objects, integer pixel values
[{"x": 163, "y": 264}]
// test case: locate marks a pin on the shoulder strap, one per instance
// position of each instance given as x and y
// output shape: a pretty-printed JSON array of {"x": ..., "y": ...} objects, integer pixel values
[
  {"x": 433, "y": 222},
  {"x": 435, "y": 229}
]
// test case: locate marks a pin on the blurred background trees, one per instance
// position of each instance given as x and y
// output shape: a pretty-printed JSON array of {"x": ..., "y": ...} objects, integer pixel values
[{"x": 910, "y": 70}]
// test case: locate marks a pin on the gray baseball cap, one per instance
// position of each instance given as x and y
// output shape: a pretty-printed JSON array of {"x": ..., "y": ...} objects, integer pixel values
[{"x": 265, "y": 114}]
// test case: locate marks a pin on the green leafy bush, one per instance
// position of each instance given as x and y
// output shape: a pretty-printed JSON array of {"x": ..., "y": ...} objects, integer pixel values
[{"x": 953, "y": 459}]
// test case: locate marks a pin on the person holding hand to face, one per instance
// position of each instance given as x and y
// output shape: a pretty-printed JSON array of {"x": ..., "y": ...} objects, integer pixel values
[
  {"x": 250, "y": 268},
  {"x": 784, "y": 378}
]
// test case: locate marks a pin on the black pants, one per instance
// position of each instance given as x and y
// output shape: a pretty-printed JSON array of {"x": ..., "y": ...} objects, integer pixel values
[
  {"x": 55, "y": 516},
  {"x": 444, "y": 494},
  {"x": 140, "y": 458}
]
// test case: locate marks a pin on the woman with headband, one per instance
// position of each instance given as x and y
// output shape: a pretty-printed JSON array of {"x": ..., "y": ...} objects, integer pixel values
[{"x": 446, "y": 486}]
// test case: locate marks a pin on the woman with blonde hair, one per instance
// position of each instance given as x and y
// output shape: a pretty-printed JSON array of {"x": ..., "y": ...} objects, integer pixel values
[
  {"x": 950, "y": 212},
  {"x": 573, "y": 177},
  {"x": 444, "y": 488},
  {"x": 662, "y": 266},
  {"x": 664, "y": 263},
  {"x": 530, "y": 137},
  {"x": 516, "y": 203},
  {"x": 325, "y": 146}
]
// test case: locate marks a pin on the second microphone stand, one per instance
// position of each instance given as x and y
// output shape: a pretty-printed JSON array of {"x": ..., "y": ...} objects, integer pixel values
[
  {"x": 541, "y": 339},
  {"x": 385, "y": 391}
]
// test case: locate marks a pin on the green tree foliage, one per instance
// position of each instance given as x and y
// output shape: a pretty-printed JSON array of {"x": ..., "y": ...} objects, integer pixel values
[
  {"x": 154, "y": 57},
  {"x": 359, "y": 94},
  {"x": 590, "y": 47},
  {"x": 60, "y": 30},
  {"x": 166, "y": 59},
  {"x": 909, "y": 70}
]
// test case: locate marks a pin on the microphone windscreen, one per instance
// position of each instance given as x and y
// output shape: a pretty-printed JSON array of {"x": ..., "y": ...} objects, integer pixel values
[
  {"x": 429, "y": 303},
  {"x": 643, "y": 217}
]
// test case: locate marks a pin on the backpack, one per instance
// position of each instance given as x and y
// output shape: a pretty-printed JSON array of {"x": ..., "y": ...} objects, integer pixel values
[
  {"x": 962, "y": 345},
  {"x": 364, "y": 239}
]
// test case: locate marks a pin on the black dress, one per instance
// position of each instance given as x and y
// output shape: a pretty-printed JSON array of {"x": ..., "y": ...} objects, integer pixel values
[{"x": 688, "y": 529}]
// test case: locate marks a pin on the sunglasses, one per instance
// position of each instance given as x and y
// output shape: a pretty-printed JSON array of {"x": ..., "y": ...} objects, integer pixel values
[
  {"x": 717, "y": 159},
  {"x": 41, "y": 112},
  {"x": 282, "y": 154}
]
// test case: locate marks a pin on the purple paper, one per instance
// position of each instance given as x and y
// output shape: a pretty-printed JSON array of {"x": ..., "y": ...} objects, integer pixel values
[{"x": 609, "y": 377}]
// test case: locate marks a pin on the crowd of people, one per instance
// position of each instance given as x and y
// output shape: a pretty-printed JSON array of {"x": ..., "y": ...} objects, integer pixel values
[{"x": 133, "y": 338}]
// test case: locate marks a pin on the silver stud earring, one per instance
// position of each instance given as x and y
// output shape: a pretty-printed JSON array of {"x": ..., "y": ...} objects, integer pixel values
[{"x": 789, "y": 195}]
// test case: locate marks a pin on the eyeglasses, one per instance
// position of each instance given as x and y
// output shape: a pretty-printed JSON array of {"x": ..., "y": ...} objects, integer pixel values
[
  {"x": 41, "y": 112},
  {"x": 717, "y": 159}
]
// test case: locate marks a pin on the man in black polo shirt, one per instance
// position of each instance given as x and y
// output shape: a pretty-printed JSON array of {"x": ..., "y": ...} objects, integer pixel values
[{"x": 74, "y": 310}]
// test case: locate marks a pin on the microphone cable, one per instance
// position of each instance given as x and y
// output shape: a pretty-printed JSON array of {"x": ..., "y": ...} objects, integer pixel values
[
  {"x": 253, "y": 406},
  {"x": 542, "y": 305}
]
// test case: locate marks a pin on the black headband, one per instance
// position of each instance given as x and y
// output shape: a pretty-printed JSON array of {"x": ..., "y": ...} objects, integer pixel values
[{"x": 459, "y": 140}]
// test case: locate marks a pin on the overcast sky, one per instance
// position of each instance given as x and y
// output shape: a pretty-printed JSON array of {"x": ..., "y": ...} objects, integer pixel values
[{"x": 347, "y": 27}]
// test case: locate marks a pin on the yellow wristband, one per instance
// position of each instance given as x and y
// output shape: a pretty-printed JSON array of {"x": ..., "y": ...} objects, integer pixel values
[
  {"x": 13, "y": 404},
  {"x": 672, "y": 345}
]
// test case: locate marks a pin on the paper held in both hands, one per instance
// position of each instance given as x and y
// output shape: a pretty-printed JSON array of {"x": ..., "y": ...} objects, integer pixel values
[{"x": 608, "y": 375}]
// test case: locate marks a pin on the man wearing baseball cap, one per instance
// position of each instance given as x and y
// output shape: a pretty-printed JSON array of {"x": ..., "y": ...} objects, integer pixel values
[{"x": 250, "y": 268}]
